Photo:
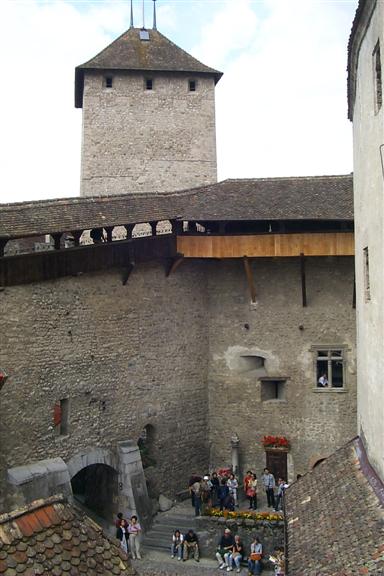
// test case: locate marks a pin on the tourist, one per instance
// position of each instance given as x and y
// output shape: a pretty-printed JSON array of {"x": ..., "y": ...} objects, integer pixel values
[
  {"x": 122, "y": 534},
  {"x": 282, "y": 485},
  {"x": 215, "y": 488},
  {"x": 254, "y": 560},
  {"x": 190, "y": 544},
  {"x": 223, "y": 495},
  {"x": 247, "y": 479},
  {"x": 268, "y": 480},
  {"x": 237, "y": 555},
  {"x": 252, "y": 492},
  {"x": 278, "y": 559},
  {"x": 134, "y": 530},
  {"x": 177, "y": 545},
  {"x": 225, "y": 549},
  {"x": 233, "y": 485},
  {"x": 118, "y": 520},
  {"x": 206, "y": 491},
  {"x": 196, "y": 490},
  {"x": 323, "y": 381},
  {"x": 194, "y": 478}
]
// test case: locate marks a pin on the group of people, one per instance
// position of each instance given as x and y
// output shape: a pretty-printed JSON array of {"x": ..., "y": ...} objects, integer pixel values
[
  {"x": 213, "y": 491},
  {"x": 223, "y": 492},
  {"x": 128, "y": 532},
  {"x": 184, "y": 546},
  {"x": 269, "y": 485},
  {"x": 230, "y": 553}
]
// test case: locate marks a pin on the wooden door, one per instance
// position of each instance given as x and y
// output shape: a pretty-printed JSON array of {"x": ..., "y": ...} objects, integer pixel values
[{"x": 276, "y": 462}]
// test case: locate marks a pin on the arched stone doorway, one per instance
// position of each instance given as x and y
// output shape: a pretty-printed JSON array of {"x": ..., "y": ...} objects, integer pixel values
[
  {"x": 94, "y": 481},
  {"x": 95, "y": 487}
]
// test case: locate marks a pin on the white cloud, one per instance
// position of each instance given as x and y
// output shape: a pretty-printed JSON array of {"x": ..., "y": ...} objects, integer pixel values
[{"x": 281, "y": 105}]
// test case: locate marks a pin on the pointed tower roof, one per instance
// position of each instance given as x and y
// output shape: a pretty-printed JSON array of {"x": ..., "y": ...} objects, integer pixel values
[{"x": 139, "y": 49}]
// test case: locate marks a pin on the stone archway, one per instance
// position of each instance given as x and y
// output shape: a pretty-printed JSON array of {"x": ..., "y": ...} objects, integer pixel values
[{"x": 94, "y": 481}]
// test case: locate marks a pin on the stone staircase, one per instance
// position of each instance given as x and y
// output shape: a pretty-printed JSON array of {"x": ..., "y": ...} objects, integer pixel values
[{"x": 160, "y": 536}]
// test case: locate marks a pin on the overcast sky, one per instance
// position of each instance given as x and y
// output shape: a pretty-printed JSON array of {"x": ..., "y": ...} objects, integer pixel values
[{"x": 281, "y": 105}]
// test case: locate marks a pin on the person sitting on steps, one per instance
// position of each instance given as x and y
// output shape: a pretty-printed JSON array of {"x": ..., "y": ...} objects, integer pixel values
[
  {"x": 191, "y": 544},
  {"x": 177, "y": 545}
]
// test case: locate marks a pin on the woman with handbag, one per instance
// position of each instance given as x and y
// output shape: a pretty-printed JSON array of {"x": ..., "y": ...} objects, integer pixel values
[
  {"x": 254, "y": 560},
  {"x": 251, "y": 492},
  {"x": 247, "y": 479}
]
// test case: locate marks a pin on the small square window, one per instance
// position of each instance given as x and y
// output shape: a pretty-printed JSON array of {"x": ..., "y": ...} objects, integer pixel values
[
  {"x": 192, "y": 85},
  {"x": 330, "y": 368},
  {"x": 273, "y": 389},
  {"x": 108, "y": 82},
  {"x": 149, "y": 84}
]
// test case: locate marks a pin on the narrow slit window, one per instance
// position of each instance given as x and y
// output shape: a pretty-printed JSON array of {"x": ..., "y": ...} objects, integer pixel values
[
  {"x": 108, "y": 82},
  {"x": 378, "y": 78},
  {"x": 367, "y": 286},
  {"x": 149, "y": 84},
  {"x": 192, "y": 85},
  {"x": 64, "y": 420}
]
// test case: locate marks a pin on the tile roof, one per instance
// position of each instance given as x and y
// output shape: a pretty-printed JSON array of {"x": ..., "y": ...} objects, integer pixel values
[
  {"x": 129, "y": 52},
  {"x": 300, "y": 198},
  {"x": 291, "y": 198},
  {"x": 51, "y": 538},
  {"x": 335, "y": 518}
]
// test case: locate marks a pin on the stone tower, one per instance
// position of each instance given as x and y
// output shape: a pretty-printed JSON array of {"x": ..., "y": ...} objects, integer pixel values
[{"x": 148, "y": 117}]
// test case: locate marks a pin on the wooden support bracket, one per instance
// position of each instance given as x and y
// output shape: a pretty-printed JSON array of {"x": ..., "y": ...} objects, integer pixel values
[
  {"x": 76, "y": 236},
  {"x": 109, "y": 230},
  {"x": 127, "y": 272},
  {"x": 303, "y": 279},
  {"x": 250, "y": 279},
  {"x": 173, "y": 264}
]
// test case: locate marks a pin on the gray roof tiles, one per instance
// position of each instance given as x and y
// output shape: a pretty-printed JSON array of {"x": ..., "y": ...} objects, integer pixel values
[
  {"x": 334, "y": 518},
  {"x": 296, "y": 198},
  {"x": 129, "y": 52}
]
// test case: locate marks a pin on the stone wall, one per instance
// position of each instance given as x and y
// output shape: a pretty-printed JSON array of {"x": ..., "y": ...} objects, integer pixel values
[
  {"x": 175, "y": 354},
  {"x": 125, "y": 357},
  {"x": 368, "y": 138},
  {"x": 278, "y": 328},
  {"x": 138, "y": 140}
]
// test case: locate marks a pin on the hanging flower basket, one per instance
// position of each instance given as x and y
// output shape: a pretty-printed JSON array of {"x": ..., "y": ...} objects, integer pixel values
[{"x": 276, "y": 442}]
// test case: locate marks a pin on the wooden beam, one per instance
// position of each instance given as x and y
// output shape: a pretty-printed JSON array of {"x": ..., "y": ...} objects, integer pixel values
[
  {"x": 266, "y": 245},
  {"x": 3, "y": 243},
  {"x": 153, "y": 225},
  {"x": 251, "y": 283},
  {"x": 303, "y": 284},
  {"x": 76, "y": 236},
  {"x": 109, "y": 230},
  {"x": 129, "y": 228},
  {"x": 173, "y": 264},
  {"x": 354, "y": 292},
  {"x": 56, "y": 240}
]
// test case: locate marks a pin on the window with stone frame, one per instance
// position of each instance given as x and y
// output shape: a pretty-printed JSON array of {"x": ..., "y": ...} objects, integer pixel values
[{"x": 329, "y": 367}]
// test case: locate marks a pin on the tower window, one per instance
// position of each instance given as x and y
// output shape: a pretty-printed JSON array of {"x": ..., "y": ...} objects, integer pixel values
[
  {"x": 192, "y": 85},
  {"x": 377, "y": 76},
  {"x": 367, "y": 287},
  {"x": 149, "y": 84},
  {"x": 108, "y": 82}
]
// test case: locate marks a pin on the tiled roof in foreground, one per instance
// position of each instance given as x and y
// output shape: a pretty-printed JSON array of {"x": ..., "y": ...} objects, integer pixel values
[
  {"x": 50, "y": 538},
  {"x": 335, "y": 518},
  {"x": 294, "y": 198}
]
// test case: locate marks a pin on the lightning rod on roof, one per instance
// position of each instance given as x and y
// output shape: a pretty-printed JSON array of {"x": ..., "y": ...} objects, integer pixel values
[
  {"x": 154, "y": 15},
  {"x": 143, "y": 16},
  {"x": 131, "y": 24}
]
